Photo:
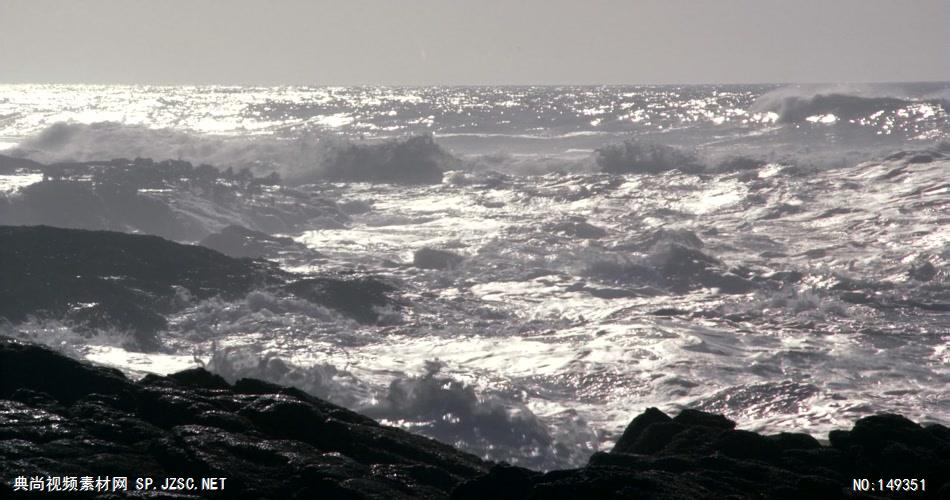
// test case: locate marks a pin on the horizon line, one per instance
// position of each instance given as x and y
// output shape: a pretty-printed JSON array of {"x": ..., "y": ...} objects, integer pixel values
[{"x": 470, "y": 85}]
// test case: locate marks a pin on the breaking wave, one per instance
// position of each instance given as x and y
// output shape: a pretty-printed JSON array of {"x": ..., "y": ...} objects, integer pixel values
[
  {"x": 495, "y": 425},
  {"x": 794, "y": 105},
  {"x": 306, "y": 158},
  {"x": 321, "y": 379}
]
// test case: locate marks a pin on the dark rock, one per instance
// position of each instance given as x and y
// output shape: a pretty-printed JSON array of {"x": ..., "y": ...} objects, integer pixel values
[
  {"x": 237, "y": 241},
  {"x": 682, "y": 237},
  {"x": 579, "y": 228},
  {"x": 745, "y": 444},
  {"x": 923, "y": 158},
  {"x": 355, "y": 207},
  {"x": 690, "y": 417},
  {"x": 100, "y": 279},
  {"x": 795, "y": 441},
  {"x": 268, "y": 444},
  {"x": 739, "y": 164},
  {"x": 23, "y": 366},
  {"x": 923, "y": 272},
  {"x": 502, "y": 482},
  {"x": 62, "y": 417},
  {"x": 199, "y": 378},
  {"x": 430, "y": 258},
  {"x": 684, "y": 268},
  {"x": 97, "y": 279},
  {"x": 655, "y": 438},
  {"x": 669, "y": 311},
  {"x": 701, "y": 455},
  {"x": 360, "y": 298},
  {"x": 636, "y": 427},
  {"x": 875, "y": 431}
]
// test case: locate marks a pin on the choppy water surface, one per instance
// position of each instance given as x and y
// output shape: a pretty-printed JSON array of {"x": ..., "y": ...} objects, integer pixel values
[{"x": 799, "y": 295}]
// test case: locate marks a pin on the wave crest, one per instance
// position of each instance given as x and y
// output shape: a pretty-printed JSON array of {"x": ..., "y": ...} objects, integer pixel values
[
  {"x": 795, "y": 105},
  {"x": 636, "y": 157},
  {"x": 309, "y": 158}
]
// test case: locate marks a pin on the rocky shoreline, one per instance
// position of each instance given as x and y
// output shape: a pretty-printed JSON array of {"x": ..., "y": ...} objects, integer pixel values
[
  {"x": 104, "y": 279},
  {"x": 62, "y": 417}
]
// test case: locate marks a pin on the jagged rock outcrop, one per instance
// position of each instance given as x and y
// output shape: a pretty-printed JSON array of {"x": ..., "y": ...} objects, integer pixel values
[
  {"x": 59, "y": 416},
  {"x": 698, "y": 455},
  {"x": 102, "y": 279},
  {"x": 241, "y": 242},
  {"x": 431, "y": 258},
  {"x": 363, "y": 298},
  {"x": 577, "y": 227},
  {"x": 98, "y": 278},
  {"x": 62, "y": 417}
]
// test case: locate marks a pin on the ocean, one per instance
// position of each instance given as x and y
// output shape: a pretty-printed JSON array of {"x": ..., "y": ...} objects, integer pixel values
[{"x": 775, "y": 253}]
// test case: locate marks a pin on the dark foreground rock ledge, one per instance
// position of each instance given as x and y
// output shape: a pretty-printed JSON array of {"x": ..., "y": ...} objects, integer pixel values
[
  {"x": 95, "y": 280},
  {"x": 62, "y": 417},
  {"x": 698, "y": 455}
]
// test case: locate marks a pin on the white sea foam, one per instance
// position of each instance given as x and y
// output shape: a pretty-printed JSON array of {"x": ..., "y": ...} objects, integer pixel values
[{"x": 789, "y": 283}]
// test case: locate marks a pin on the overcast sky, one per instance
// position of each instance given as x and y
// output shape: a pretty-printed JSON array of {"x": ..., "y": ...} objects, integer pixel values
[{"x": 397, "y": 42}]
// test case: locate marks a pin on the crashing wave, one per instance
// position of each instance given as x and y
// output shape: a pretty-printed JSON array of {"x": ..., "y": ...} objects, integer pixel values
[
  {"x": 105, "y": 140},
  {"x": 322, "y": 379},
  {"x": 636, "y": 157},
  {"x": 416, "y": 160},
  {"x": 171, "y": 198},
  {"x": 495, "y": 426},
  {"x": 794, "y": 107}
]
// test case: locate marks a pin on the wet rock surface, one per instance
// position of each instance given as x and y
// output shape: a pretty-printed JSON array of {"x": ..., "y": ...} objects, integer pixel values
[
  {"x": 701, "y": 455},
  {"x": 59, "y": 416},
  {"x": 98, "y": 279},
  {"x": 578, "y": 228},
  {"x": 62, "y": 417},
  {"x": 431, "y": 258},
  {"x": 363, "y": 298},
  {"x": 241, "y": 242},
  {"x": 102, "y": 279}
]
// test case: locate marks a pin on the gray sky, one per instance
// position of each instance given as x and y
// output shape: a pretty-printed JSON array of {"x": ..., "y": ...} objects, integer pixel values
[{"x": 473, "y": 42}]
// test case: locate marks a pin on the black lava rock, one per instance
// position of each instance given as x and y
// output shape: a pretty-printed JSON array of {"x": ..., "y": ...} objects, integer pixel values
[
  {"x": 241, "y": 242},
  {"x": 430, "y": 258},
  {"x": 102, "y": 279},
  {"x": 361, "y": 297},
  {"x": 578, "y": 228},
  {"x": 98, "y": 278},
  {"x": 62, "y": 417},
  {"x": 699, "y": 455}
]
